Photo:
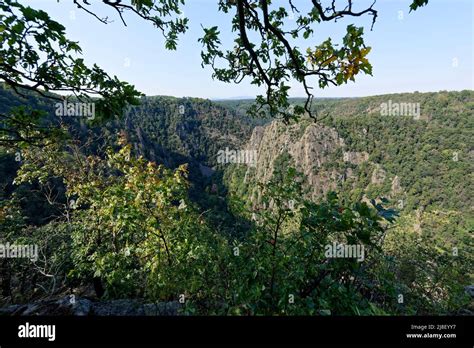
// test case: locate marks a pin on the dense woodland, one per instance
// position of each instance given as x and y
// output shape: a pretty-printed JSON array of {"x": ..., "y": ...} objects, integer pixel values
[
  {"x": 135, "y": 202},
  {"x": 140, "y": 208}
]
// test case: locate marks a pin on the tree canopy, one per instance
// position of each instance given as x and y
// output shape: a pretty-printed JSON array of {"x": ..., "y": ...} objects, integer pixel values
[{"x": 36, "y": 54}]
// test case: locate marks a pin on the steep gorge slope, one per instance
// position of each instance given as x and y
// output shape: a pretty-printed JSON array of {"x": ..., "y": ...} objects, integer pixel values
[
  {"x": 423, "y": 165},
  {"x": 423, "y": 162},
  {"x": 418, "y": 162}
]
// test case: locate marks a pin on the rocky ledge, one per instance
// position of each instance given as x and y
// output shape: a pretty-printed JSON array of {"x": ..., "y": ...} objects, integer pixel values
[{"x": 83, "y": 307}]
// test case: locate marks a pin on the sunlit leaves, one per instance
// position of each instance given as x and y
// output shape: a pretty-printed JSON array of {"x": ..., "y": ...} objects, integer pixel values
[
  {"x": 341, "y": 64},
  {"x": 271, "y": 59},
  {"x": 132, "y": 225}
]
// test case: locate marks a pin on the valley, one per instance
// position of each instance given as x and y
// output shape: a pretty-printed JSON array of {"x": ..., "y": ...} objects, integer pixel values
[{"x": 415, "y": 171}]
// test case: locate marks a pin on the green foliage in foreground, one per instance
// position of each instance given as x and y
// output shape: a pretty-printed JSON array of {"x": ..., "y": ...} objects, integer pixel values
[{"x": 129, "y": 228}]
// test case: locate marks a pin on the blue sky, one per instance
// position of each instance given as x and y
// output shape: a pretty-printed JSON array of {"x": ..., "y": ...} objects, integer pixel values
[{"x": 427, "y": 50}]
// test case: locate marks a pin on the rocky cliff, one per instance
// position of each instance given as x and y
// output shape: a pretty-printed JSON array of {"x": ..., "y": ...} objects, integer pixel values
[{"x": 315, "y": 150}]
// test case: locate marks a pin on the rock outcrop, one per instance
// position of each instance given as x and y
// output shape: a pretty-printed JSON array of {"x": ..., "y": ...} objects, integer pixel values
[
  {"x": 85, "y": 307},
  {"x": 313, "y": 149}
]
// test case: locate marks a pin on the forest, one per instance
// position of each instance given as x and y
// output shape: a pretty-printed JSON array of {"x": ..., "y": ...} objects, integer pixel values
[
  {"x": 127, "y": 210},
  {"x": 351, "y": 206}
]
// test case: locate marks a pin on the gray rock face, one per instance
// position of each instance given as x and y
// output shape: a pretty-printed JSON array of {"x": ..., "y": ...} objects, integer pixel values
[
  {"x": 308, "y": 147},
  {"x": 117, "y": 308},
  {"x": 311, "y": 147},
  {"x": 84, "y": 307},
  {"x": 378, "y": 175},
  {"x": 63, "y": 306},
  {"x": 470, "y": 290},
  {"x": 396, "y": 186}
]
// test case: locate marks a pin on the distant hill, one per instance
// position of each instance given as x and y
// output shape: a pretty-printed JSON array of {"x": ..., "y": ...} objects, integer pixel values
[
  {"x": 413, "y": 152},
  {"x": 425, "y": 160}
]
